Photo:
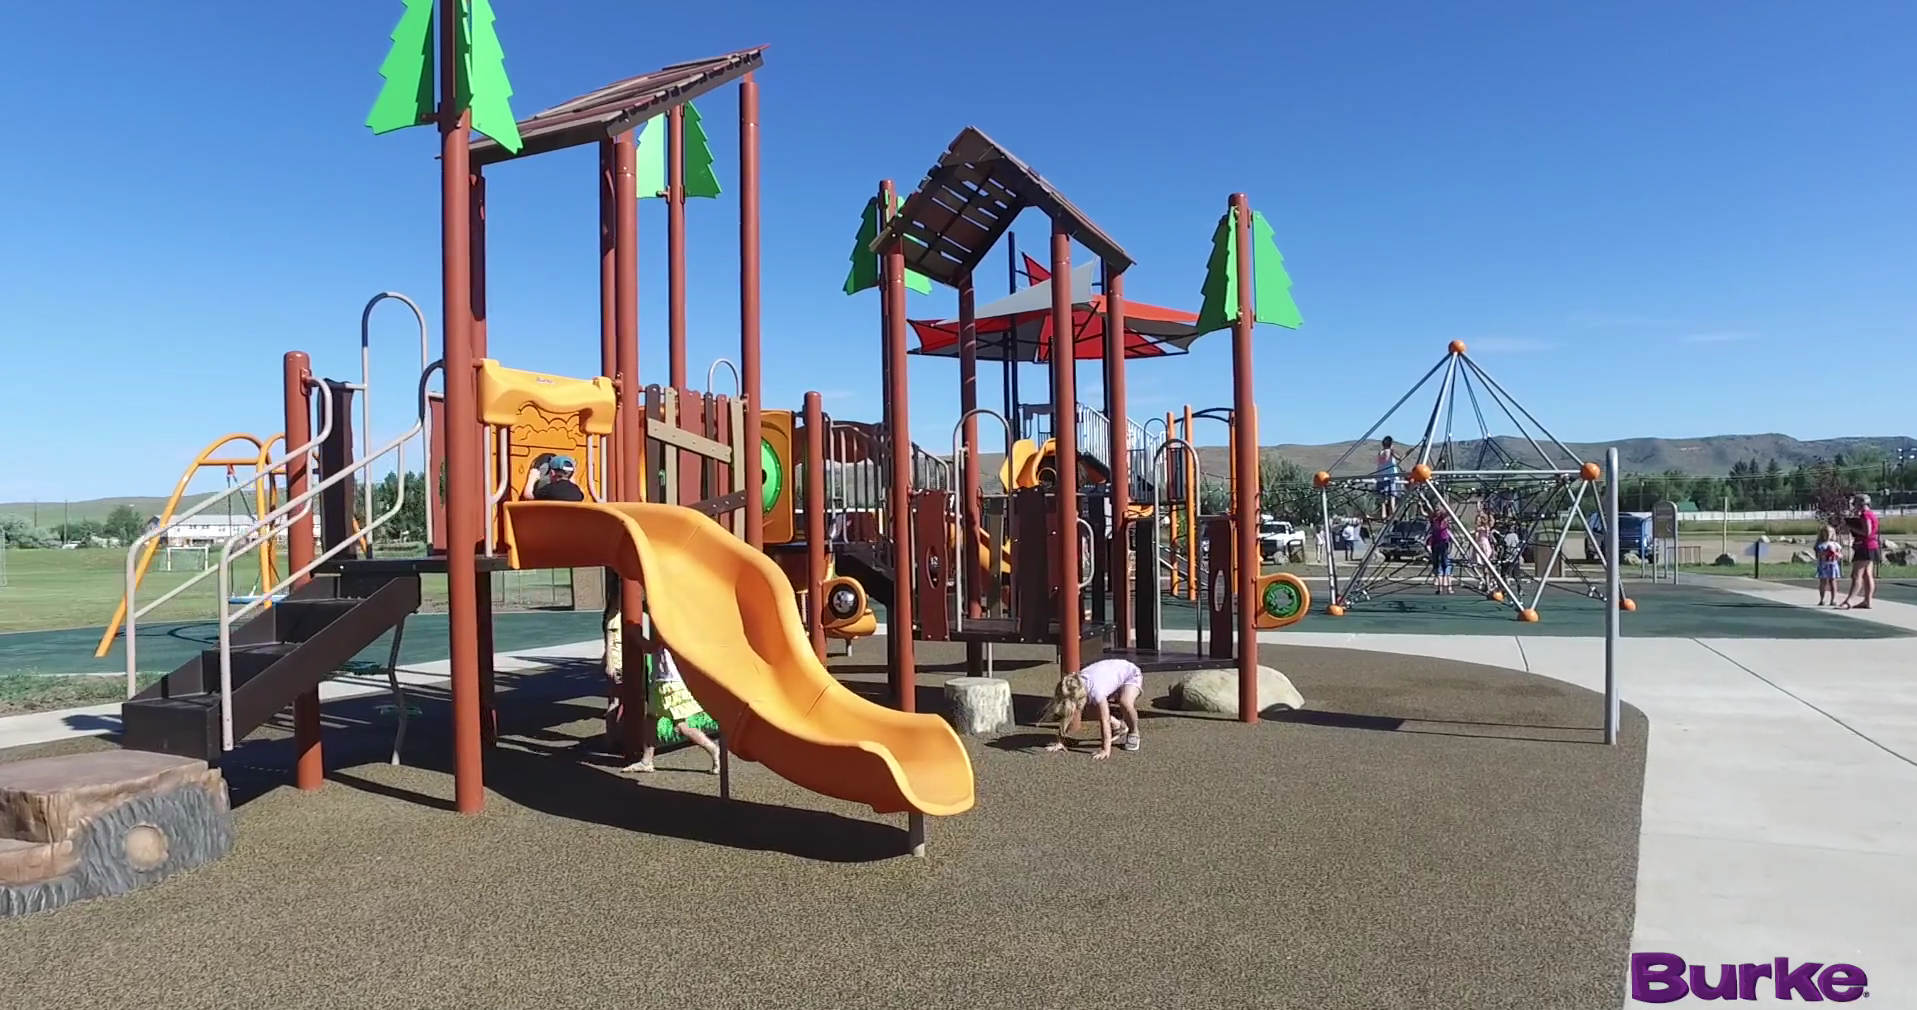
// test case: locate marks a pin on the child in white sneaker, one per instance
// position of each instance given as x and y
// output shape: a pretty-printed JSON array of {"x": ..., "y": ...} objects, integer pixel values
[{"x": 1099, "y": 684}]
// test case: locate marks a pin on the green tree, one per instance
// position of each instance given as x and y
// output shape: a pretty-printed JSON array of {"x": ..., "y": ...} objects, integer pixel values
[
  {"x": 20, "y": 533},
  {"x": 123, "y": 524},
  {"x": 410, "y": 524}
]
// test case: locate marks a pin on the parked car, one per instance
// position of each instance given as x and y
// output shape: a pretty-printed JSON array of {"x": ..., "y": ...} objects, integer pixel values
[
  {"x": 1406, "y": 540},
  {"x": 1277, "y": 539}
]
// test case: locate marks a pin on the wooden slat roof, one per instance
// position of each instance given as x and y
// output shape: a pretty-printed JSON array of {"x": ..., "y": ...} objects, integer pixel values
[
  {"x": 620, "y": 106},
  {"x": 968, "y": 201}
]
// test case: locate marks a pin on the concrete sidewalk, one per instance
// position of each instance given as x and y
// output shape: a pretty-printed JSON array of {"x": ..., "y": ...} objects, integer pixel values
[
  {"x": 1882, "y": 611},
  {"x": 1780, "y": 793}
]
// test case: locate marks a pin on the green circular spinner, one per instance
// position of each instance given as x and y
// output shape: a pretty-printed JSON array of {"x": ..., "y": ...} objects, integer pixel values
[
  {"x": 774, "y": 470},
  {"x": 1281, "y": 600}
]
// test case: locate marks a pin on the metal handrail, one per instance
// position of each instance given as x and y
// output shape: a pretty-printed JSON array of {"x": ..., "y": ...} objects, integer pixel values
[
  {"x": 713, "y": 369},
  {"x": 365, "y": 387},
  {"x": 1191, "y": 548},
  {"x": 963, "y": 549},
  {"x": 227, "y": 618},
  {"x": 134, "y": 612}
]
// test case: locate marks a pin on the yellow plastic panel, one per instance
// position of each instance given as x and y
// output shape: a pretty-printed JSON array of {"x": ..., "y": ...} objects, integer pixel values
[{"x": 505, "y": 392}]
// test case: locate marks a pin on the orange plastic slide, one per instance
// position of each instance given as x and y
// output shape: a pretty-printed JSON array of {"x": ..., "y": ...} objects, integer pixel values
[{"x": 727, "y": 613}]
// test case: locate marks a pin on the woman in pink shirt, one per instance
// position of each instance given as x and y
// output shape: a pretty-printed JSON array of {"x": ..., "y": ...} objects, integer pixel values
[
  {"x": 1866, "y": 549},
  {"x": 1099, "y": 685}
]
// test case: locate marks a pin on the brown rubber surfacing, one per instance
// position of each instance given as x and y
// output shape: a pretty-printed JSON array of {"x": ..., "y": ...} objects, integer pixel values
[{"x": 1482, "y": 854}]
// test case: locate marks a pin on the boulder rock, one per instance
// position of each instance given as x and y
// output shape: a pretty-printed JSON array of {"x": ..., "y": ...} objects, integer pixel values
[
  {"x": 1803, "y": 558},
  {"x": 1217, "y": 691},
  {"x": 1900, "y": 557},
  {"x": 1725, "y": 561},
  {"x": 1631, "y": 559}
]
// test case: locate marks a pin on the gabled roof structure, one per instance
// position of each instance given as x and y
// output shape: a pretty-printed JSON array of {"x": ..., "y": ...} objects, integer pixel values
[
  {"x": 620, "y": 106},
  {"x": 968, "y": 201}
]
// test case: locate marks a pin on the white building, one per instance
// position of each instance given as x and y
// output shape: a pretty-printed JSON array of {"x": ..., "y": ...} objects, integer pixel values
[{"x": 211, "y": 529}]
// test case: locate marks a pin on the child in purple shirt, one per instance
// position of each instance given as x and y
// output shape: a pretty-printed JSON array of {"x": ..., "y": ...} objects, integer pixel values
[{"x": 1099, "y": 685}]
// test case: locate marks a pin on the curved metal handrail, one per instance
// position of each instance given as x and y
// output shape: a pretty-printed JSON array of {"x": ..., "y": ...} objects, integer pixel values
[
  {"x": 712, "y": 369},
  {"x": 134, "y": 613},
  {"x": 365, "y": 387},
  {"x": 963, "y": 549}
]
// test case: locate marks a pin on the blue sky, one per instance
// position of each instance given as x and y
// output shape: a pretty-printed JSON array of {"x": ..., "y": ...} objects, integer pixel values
[{"x": 1648, "y": 219}]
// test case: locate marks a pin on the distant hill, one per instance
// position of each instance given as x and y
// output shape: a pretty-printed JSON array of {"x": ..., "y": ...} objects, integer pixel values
[
  {"x": 51, "y": 513},
  {"x": 1711, "y": 455}
]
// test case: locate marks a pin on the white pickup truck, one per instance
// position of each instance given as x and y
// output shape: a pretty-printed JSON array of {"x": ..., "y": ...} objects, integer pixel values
[{"x": 1277, "y": 539}]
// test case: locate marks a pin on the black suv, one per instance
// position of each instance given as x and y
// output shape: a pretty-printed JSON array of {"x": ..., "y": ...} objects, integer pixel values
[{"x": 1406, "y": 540}]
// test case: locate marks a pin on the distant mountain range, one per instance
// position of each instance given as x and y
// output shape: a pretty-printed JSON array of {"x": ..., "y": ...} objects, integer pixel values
[{"x": 1711, "y": 455}]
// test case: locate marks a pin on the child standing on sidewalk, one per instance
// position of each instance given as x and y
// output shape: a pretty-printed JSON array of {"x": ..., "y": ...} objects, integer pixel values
[{"x": 1829, "y": 566}]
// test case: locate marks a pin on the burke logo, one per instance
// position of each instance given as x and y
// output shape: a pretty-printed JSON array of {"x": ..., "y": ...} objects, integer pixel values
[{"x": 1662, "y": 978}]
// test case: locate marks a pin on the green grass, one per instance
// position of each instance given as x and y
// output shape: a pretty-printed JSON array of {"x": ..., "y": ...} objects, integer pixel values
[
  {"x": 25, "y": 692},
  {"x": 55, "y": 589}
]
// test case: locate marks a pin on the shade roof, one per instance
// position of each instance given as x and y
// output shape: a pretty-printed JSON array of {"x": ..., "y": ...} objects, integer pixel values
[
  {"x": 968, "y": 201},
  {"x": 620, "y": 106}
]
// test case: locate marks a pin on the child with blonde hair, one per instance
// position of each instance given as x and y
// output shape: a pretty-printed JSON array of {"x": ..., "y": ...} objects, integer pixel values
[
  {"x": 1096, "y": 687},
  {"x": 1829, "y": 566}
]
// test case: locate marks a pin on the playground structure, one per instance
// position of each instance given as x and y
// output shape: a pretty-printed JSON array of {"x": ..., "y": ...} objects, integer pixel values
[
  {"x": 1530, "y": 501},
  {"x": 688, "y": 488}
]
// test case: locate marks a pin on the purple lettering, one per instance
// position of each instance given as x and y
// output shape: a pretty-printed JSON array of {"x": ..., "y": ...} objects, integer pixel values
[
  {"x": 1843, "y": 983},
  {"x": 1726, "y": 987},
  {"x": 1658, "y": 978},
  {"x": 1801, "y": 980},
  {"x": 1747, "y": 976}
]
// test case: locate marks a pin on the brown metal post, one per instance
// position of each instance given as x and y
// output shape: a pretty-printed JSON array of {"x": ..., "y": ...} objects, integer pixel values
[
  {"x": 608, "y": 269},
  {"x": 749, "y": 368},
  {"x": 968, "y": 476},
  {"x": 1192, "y": 476},
  {"x": 815, "y": 556},
  {"x": 1118, "y": 576},
  {"x": 483, "y": 585},
  {"x": 298, "y": 374},
  {"x": 629, "y": 426},
  {"x": 463, "y": 467},
  {"x": 436, "y": 471},
  {"x": 1065, "y": 431},
  {"x": 901, "y": 620},
  {"x": 676, "y": 246},
  {"x": 1245, "y": 463}
]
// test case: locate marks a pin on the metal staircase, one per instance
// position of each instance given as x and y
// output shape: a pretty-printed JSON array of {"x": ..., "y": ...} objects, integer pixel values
[{"x": 1095, "y": 442}]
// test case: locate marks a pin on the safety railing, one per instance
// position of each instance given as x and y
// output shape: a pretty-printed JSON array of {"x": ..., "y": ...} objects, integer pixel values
[
  {"x": 245, "y": 540},
  {"x": 135, "y": 610},
  {"x": 365, "y": 390}
]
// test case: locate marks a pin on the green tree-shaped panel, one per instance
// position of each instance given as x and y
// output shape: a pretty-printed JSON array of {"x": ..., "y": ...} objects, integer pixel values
[
  {"x": 654, "y": 146},
  {"x": 484, "y": 87},
  {"x": 1271, "y": 285},
  {"x": 406, "y": 97},
  {"x": 865, "y": 264}
]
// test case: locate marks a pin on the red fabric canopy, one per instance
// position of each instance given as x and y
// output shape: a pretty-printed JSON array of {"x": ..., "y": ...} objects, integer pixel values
[{"x": 1019, "y": 327}]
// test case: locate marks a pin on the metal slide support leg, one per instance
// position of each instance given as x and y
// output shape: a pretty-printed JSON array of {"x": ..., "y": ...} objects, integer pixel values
[
  {"x": 399, "y": 690},
  {"x": 915, "y": 833},
  {"x": 725, "y": 768}
]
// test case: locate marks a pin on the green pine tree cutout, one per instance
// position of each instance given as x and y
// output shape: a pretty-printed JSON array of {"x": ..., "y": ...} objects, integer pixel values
[
  {"x": 649, "y": 149},
  {"x": 484, "y": 87},
  {"x": 865, "y": 264},
  {"x": 406, "y": 97},
  {"x": 1271, "y": 285},
  {"x": 654, "y": 147},
  {"x": 701, "y": 182},
  {"x": 1270, "y": 282},
  {"x": 1220, "y": 293}
]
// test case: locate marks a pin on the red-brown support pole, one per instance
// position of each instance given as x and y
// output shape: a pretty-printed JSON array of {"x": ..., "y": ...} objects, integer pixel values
[
  {"x": 608, "y": 274},
  {"x": 749, "y": 375},
  {"x": 676, "y": 246},
  {"x": 629, "y": 425},
  {"x": 483, "y": 589},
  {"x": 1245, "y": 462},
  {"x": 815, "y": 557},
  {"x": 298, "y": 371},
  {"x": 900, "y": 621},
  {"x": 968, "y": 476},
  {"x": 1065, "y": 431},
  {"x": 1118, "y": 573},
  {"x": 463, "y": 468}
]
